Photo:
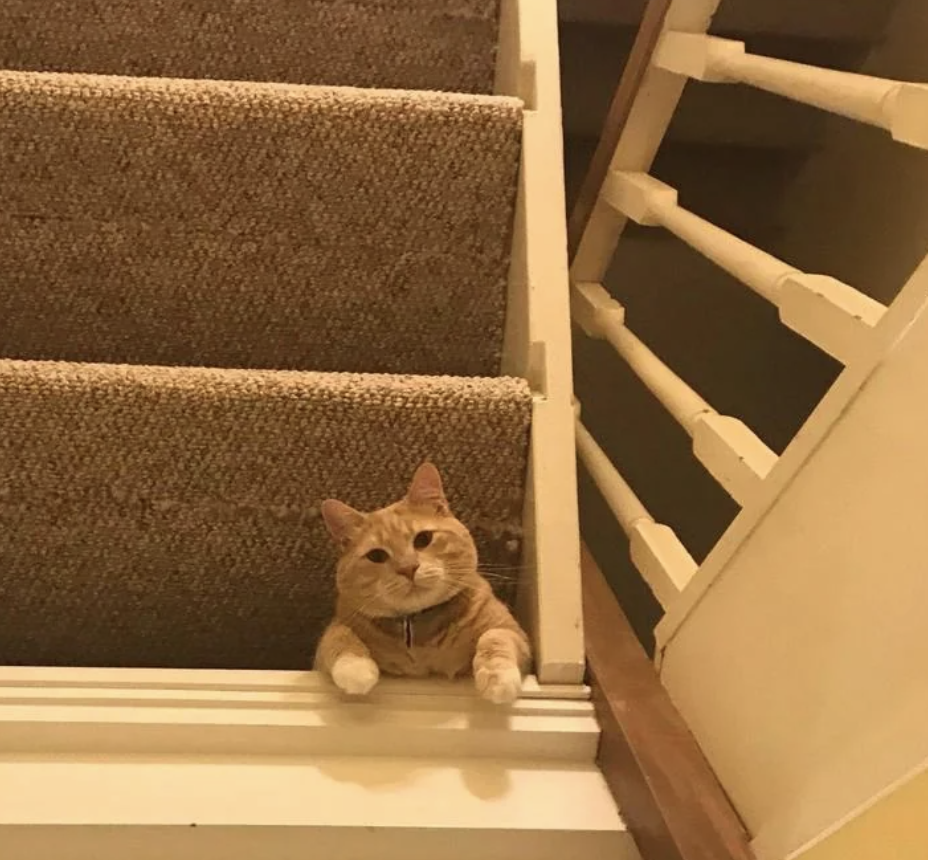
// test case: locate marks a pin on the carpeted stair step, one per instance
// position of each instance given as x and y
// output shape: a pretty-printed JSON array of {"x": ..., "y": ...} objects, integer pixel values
[
  {"x": 400, "y": 44},
  {"x": 153, "y": 221},
  {"x": 170, "y": 516}
]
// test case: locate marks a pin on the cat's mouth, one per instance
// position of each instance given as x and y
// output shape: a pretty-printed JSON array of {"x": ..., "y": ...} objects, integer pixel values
[{"x": 418, "y": 594}]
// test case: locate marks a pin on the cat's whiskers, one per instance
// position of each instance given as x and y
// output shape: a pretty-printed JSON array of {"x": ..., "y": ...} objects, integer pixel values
[
  {"x": 392, "y": 588},
  {"x": 381, "y": 549}
]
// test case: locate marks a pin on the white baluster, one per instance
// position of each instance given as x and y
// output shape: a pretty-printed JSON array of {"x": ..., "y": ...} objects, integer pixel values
[
  {"x": 664, "y": 563},
  {"x": 832, "y": 315},
  {"x": 728, "y": 449},
  {"x": 900, "y": 107}
]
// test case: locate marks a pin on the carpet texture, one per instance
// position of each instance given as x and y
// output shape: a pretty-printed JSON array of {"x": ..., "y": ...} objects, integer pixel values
[
  {"x": 233, "y": 283},
  {"x": 150, "y": 221},
  {"x": 403, "y": 44},
  {"x": 170, "y": 516}
]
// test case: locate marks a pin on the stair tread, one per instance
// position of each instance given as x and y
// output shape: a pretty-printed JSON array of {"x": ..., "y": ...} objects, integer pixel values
[
  {"x": 346, "y": 808},
  {"x": 158, "y": 221},
  {"x": 409, "y": 44},
  {"x": 170, "y": 516},
  {"x": 456, "y": 809}
]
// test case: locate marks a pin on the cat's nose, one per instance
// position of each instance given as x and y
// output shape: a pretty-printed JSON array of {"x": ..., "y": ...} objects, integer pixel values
[{"x": 409, "y": 571}]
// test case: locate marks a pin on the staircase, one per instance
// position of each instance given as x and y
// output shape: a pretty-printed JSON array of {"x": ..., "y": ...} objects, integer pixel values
[
  {"x": 258, "y": 254},
  {"x": 226, "y": 301},
  {"x": 738, "y": 155},
  {"x": 750, "y": 350}
]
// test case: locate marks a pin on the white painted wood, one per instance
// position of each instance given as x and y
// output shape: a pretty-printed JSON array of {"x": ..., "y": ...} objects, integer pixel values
[
  {"x": 732, "y": 454},
  {"x": 647, "y": 124},
  {"x": 650, "y": 202},
  {"x": 894, "y": 323},
  {"x": 638, "y": 196},
  {"x": 832, "y": 315},
  {"x": 899, "y": 107},
  {"x": 660, "y": 557},
  {"x": 829, "y": 313},
  {"x": 112, "y": 763},
  {"x": 293, "y": 807},
  {"x": 620, "y": 497},
  {"x": 821, "y": 593},
  {"x": 537, "y": 341},
  {"x": 528, "y": 68},
  {"x": 681, "y": 401},
  {"x": 728, "y": 449},
  {"x": 108, "y": 712},
  {"x": 134, "y": 681},
  {"x": 657, "y": 553},
  {"x": 551, "y": 605},
  {"x": 908, "y": 114},
  {"x": 594, "y": 310},
  {"x": 874, "y": 225}
]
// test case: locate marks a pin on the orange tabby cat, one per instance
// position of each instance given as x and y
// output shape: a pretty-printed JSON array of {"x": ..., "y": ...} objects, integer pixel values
[{"x": 412, "y": 602}]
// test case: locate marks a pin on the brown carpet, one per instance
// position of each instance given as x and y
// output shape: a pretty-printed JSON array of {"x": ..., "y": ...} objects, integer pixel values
[
  {"x": 254, "y": 225},
  {"x": 403, "y": 44},
  {"x": 169, "y": 517},
  {"x": 215, "y": 284}
]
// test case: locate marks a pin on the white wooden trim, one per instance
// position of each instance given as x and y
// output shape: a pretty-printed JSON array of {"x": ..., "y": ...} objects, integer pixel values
[
  {"x": 822, "y": 665},
  {"x": 49, "y": 678},
  {"x": 105, "y": 764},
  {"x": 829, "y": 313},
  {"x": 832, "y": 315},
  {"x": 728, "y": 449},
  {"x": 189, "y": 712},
  {"x": 627, "y": 507},
  {"x": 644, "y": 131},
  {"x": 652, "y": 203},
  {"x": 678, "y": 398},
  {"x": 292, "y": 808},
  {"x": 603, "y": 317},
  {"x": 550, "y": 602},
  {"x": 537, "y": 342},
  {"x": 537, "y": 311},
  {"x": 657, "y": 553},
  {"x": 894, "y": 322},
  {"x": 900, "y": 107},
  {"x": 733, "y": 454}
]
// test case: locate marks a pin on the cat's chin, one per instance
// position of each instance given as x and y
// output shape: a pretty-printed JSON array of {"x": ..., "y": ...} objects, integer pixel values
[{"x": 421, "y": 597}]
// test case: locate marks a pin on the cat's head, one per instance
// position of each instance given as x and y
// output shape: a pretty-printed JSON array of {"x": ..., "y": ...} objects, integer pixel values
[{"x": 405, "y": 557}]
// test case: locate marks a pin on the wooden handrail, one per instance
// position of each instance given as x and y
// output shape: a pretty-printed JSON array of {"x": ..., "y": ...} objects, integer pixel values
[
  {"x": 646, "y": 40},
  {"x": 668, "y": 794}
]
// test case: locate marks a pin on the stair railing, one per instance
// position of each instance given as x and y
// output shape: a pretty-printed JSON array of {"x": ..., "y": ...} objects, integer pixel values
[{"x": 672, "y": 48}]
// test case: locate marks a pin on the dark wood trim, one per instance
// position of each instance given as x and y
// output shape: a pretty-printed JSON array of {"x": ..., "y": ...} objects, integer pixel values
[
  {"x": 666, "y": 790},
  {"x": 639, "y": 59}
]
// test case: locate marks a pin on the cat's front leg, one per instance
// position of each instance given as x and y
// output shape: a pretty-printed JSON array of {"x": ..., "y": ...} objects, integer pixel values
[
  {"x": 501, "y": 657},
  {"x": 347, "y": 660}
]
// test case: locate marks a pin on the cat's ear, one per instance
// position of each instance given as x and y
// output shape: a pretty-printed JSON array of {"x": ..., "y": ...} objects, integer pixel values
[
  {"x": 425, "y": 489},
  {"x": 341, "y": 520}
]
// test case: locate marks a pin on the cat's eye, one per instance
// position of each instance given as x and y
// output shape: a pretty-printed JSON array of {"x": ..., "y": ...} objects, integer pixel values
[
  {"x": 378, "y": 556},
  {"x": 422, "y": 540}
]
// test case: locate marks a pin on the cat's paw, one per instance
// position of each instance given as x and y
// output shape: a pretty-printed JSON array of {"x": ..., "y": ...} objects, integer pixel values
[
  {"x": 355, "y": 675},
  {"x": 500, "y": 684}
]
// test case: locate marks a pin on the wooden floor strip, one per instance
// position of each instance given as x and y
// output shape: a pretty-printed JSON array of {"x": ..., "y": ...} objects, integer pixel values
[{"x": 668, "y": 793}]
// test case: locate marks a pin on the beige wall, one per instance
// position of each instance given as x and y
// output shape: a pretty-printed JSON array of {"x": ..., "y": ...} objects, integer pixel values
[
  {"x": 801, "y": 671},
  {"x": 893, "y": 828}
]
